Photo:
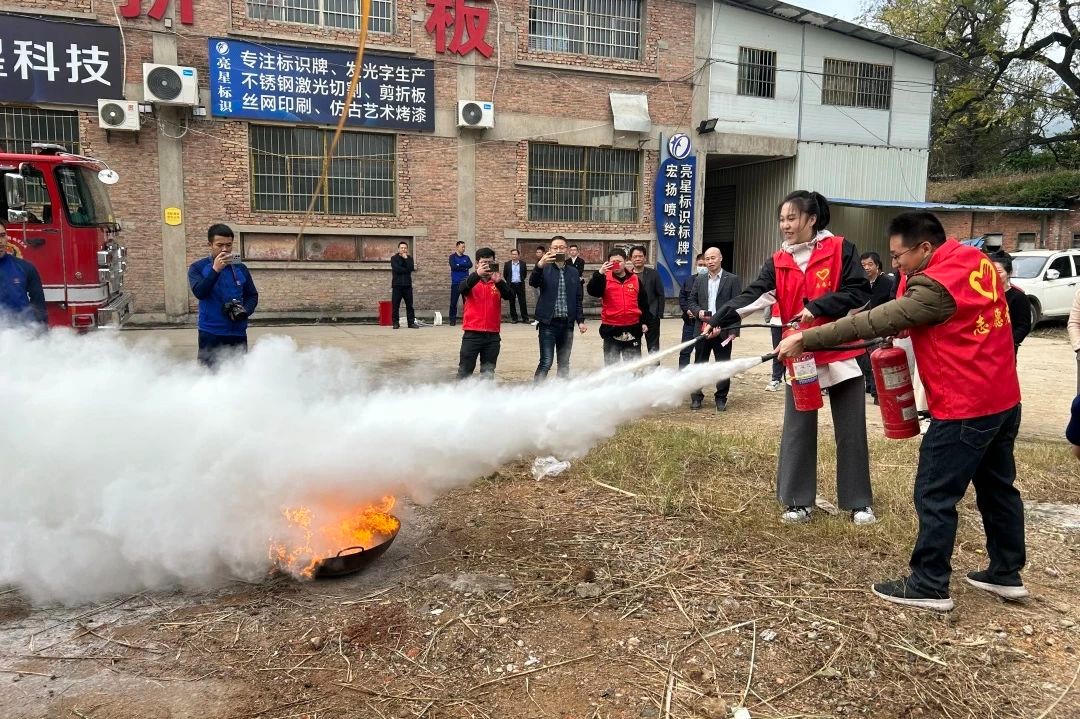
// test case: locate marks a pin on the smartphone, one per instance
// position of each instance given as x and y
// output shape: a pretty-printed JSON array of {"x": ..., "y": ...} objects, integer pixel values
[
  {"x": 234, "y": 258},
  {"x": 493, "y": 266},
  {"x": 616, "y": 266},
  {"x": 560, "y": 257}
]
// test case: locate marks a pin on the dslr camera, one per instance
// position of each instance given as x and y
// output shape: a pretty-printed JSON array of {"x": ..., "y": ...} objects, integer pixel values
[{"x": 234, "y": 310}]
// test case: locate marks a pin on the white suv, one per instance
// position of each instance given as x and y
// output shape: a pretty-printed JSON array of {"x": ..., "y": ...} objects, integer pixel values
[{"x": 1050, "y": 280}]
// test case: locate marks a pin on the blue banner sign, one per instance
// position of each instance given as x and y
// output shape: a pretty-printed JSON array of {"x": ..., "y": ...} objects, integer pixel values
[
  {"x": 283, "y": 83},
  {"x": 674, "y": 207}
]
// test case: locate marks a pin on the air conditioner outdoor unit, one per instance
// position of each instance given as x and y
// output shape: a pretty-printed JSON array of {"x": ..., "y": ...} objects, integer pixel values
[
  {"x": 118, "y": 115},
  {"x": 170, "y": 85},
  {"x": 475, "y": 113}
]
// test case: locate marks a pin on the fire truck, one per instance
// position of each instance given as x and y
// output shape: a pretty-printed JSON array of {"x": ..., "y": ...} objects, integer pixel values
[{"x": 56, "y": 209}]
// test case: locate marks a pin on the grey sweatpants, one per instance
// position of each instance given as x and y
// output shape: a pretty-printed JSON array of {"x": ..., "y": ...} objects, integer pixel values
[{"x": 796, "y": 474}]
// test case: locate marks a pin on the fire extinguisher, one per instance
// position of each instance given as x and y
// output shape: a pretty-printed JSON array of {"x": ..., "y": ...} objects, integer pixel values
[
  {"x": 896, "y": 394},
  {"x": 803, "y": 378}
]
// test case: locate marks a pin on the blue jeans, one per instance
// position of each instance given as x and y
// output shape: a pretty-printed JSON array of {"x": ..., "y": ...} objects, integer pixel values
[
  {"x": 556, "y": 341},
  {"x": 956, "y": 453},
  {"x": 214, "y": 348}
]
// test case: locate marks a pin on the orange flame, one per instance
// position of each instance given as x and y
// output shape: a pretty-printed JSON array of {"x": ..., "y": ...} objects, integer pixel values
[{"x": 313, "y": 539}]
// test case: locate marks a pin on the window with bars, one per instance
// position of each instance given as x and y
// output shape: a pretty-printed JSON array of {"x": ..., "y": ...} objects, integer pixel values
[
  {"x": 276, "y": 247},
  {"x": 757, "y": 72},
  {"x": 583, "y": 184},
  {"x": 857, "y": 84},
  {"x": 343, "y": 14},
  {"x": 603, "y": 28},
  {"x": 22, "y": 126},
  {"x": 286, "y": 164}
]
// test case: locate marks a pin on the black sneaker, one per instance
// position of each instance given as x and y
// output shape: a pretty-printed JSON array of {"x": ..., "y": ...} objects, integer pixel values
[
  {"x": 721, "y": 405},
  {"x": 898, "y": 592},
  {"x": 1006, "y": 589}
]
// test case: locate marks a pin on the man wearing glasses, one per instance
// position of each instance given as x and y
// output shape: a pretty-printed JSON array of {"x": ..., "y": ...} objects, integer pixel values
[
  {"x": 955, "y": 311},
  {"x": 21, "y": 295}
]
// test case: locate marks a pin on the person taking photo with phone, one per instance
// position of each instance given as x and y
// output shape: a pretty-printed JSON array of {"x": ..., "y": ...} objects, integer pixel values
[
  {"x": 558, "y": 308},
  {"x": 624, "y": 308},
  {"x": 227, "y": 297},
  {"x": 484, "y": 290}
]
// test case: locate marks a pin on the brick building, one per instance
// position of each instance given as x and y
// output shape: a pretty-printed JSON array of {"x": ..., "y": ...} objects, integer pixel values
[{"x": 585, "y": 95}]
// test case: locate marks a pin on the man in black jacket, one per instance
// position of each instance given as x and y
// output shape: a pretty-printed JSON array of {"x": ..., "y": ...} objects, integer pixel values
[
  {"x": 515, "y": 272},
  {"x": 578, "y": 262},
  {"x": 710, "y": 293},
  {"x": 882, "y": 290},
  {"x": 401, "y": 268},
  {"x": 557, "y": 310},
  {"x": 691, "y": 326},
  {"x": 653, "y": 287}
]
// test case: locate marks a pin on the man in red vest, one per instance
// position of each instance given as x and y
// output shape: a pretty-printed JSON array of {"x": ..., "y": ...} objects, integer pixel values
[
  {"x": 624, "y": 308},
  {"x": 482, "y": 317},
  {"x": 954, "y": 309}
]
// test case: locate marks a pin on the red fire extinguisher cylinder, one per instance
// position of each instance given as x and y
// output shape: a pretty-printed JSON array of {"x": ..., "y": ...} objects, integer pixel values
[
  {"x": 896, "y": 394},
  {"x": 803, "y": 378}
]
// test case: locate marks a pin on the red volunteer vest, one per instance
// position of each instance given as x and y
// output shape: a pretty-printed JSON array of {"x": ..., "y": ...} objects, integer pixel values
[
  {"x": 794, "y": 287},
  {"x": 619, "y": 306},
  {"x": 483, "y": 309},
  {"x": 967, "y": 363}
]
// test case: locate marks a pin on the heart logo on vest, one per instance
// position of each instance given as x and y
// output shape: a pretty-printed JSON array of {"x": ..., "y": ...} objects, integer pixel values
[
  {"x": 984, "y": 280},
  {"x": 823, "y": 277}
]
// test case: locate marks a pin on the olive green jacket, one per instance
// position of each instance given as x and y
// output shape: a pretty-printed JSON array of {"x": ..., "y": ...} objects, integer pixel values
[{"x": 925, "y": 302}]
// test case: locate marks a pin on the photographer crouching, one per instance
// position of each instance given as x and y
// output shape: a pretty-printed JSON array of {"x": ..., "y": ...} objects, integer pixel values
[{"x": 227, "y": 297}]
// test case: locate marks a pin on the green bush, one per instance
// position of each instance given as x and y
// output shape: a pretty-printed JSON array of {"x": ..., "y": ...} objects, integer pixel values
[{"x": 1057, "y": 189}]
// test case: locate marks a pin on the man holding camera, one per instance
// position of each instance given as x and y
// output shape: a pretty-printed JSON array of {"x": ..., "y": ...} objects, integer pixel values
[
  {"x": 226, "y": 294},
  {"x": 557, "y": 310},
  {"x": 485, "y": 290}
]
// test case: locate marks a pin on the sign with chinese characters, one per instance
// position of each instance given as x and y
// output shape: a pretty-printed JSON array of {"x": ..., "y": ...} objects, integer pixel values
[
  {"x": 59, "y": 62},
  {"x": 255, "y": 81},
  {"x": 674, "y": 207},
  {"x": 465, "y": 24},
  {"x": 133, "y": 9}
]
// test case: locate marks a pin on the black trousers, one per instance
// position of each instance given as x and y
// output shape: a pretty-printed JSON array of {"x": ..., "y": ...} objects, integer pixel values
[
  {"x": 867, "y": 373},
  {"x": 616, "y": 351},
  {"x": 399, "y": 294},
  {"x": 215, "y": 348},
  {"x": 956, "y": 453},
  {"x": 652, "y": 337},
  {"x": 484, "y": 345},
  {"x": 716, "y": 349},
  {"x": 518, "y": 300},
  {"x": 689, "y": 330}
]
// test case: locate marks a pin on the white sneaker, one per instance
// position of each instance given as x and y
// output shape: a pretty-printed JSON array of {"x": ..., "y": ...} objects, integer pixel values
[
  {"x": 864, "y": 515},
  {"x": 795, "y": 515},
  {"x": 773, "y": 386},
  {"x": 534, "y": 323}
]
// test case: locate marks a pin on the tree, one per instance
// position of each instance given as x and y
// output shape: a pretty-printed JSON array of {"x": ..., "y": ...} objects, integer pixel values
[{"x": 1007, "y": 95}]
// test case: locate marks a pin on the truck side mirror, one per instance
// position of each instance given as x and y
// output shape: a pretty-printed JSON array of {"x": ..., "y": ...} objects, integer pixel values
[
  {"x": 15, "y": 189},
  {"x": 1053, "y": 275}
]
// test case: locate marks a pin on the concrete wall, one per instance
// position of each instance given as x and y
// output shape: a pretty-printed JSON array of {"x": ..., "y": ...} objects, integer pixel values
[{"x": 797, "y": 111}]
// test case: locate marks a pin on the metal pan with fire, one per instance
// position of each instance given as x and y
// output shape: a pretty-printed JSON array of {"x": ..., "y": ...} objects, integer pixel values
[{"x": 323, "y": 542}]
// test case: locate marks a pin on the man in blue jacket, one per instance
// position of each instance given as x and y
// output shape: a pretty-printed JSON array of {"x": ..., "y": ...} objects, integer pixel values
[
  {"x": 226, "y": 294},
  {"x": 558, "y": 308},
  {"x": 21, "y": 294},
  {"x": 460, "y": 264}
]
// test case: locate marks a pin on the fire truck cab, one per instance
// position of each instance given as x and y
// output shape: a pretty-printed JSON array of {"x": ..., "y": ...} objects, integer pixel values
[{"x": 56, "y": 209}]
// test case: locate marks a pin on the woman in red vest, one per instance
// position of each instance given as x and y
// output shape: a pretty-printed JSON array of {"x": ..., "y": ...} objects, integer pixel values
[{"x": 814, "y": 278}]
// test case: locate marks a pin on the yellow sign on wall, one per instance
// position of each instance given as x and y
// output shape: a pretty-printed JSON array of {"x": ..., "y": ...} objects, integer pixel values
[{"x": 173, "y": 216}]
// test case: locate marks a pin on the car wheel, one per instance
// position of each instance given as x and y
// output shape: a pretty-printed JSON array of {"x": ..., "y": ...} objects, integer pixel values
[{"x": 1036, "y": 313}]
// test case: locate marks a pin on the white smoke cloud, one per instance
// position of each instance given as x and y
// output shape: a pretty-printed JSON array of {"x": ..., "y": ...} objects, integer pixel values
[{"x": 123, "y": 470}]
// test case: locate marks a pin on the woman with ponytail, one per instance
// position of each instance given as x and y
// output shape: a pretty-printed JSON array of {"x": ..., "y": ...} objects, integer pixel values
[{"x": 814, "y": 278}]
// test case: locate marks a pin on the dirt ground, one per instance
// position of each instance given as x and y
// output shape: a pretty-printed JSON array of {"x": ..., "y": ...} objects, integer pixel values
[{"x": 576, "y": 598}]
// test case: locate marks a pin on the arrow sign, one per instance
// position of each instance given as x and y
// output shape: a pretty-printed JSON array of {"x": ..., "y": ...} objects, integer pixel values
[{"x": 681, "y": 262}]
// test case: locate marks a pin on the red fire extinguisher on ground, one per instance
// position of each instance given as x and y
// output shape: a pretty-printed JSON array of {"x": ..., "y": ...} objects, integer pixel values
[
  {"x": 896, "y": 394},
  {"x": 803, "y": 378}
]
